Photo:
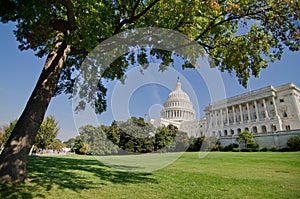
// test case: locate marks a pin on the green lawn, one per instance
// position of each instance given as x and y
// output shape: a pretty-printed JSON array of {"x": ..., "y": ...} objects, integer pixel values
[{"x": 218, "y": 175}]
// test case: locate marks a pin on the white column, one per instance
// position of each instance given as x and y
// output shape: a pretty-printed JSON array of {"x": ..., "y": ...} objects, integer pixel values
[
  {"x": 241, "y": 113},
  {"x": 275, "y": 107},
  {"x": 221, "y": 117},
  {"x": 215, "y": 118},
  {"x": 248, "y": 111},
  {"x": 265, "y": 109},
  {"x": 227, "y": 116},
  {"x": 256, "y": 110},
  {"x": 233, "y": 112}
]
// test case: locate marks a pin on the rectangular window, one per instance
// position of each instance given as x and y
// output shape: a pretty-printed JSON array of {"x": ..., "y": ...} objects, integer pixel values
[{"x": 281, "y": 100}]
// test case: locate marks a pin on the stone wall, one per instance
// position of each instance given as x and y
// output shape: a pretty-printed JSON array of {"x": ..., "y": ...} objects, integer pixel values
[{"x": 278, "y": 139}]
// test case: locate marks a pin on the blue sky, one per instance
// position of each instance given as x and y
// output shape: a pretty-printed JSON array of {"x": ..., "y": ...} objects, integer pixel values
[{"x": 19, "y": 72}]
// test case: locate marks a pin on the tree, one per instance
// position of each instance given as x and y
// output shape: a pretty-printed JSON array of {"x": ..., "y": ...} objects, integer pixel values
[
  {"x": 136, "y": 135},
  {"x": 7, "y": 131},
  {"x": 47, "y": 133},
  {"x": 77, "y": 145},
  {"x": 56, "y": 144},
  {"x": 69, "y": 143},
  {"x": 182, "y": 141},
  {"x": 164, "y": 137},
  {"x": 113, "y": 133},
  {"x": 1, "y": 141},
  {"x": 85, "y": 148},
  {"x": 66, "y": 31},
  {"x": 294, "y": 143},
  {"x": 97, "y": 140},
  {"x": 195, "y": 143},
  {"x": 246, "y": 138}
]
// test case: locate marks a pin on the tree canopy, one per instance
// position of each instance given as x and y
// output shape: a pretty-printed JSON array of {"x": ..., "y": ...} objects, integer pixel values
[{"x": 238, "y": 36}]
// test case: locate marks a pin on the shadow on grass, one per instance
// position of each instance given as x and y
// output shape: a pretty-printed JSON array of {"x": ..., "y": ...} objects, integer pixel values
[{"x": 73, "y": 173}]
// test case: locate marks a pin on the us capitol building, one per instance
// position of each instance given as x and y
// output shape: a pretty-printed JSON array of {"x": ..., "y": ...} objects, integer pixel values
[{"x": 266, "y": 110}]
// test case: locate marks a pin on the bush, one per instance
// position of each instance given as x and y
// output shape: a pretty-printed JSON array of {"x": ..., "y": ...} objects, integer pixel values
[
  {"x": 264, "y": 149},
  {"x": 294, "y": 143},
  {"x": 253, "y": 147},
  {"x": 246, "y": 150},
  {"x": 274, "y": 148},
  {"x": 230, "y": 147},
  {"x": 236, "y": 150},
  {"x": 285, "y": 149}
]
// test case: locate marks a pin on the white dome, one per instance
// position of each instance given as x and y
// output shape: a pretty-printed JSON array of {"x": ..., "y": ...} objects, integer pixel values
[{"x": 178, "y": 107}]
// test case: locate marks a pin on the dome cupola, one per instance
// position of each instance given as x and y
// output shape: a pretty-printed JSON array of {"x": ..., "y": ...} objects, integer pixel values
[{"x": 178, "y": 107}]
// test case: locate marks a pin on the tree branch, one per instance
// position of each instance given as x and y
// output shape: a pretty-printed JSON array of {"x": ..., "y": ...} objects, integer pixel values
[
  {"x": 70, "y": 13},
  {"x": 211, "y": 25},
  {"x": 134, "y": 17},
  {"x": 60, "y": 25},
  {"x": 75, "y": 51}
]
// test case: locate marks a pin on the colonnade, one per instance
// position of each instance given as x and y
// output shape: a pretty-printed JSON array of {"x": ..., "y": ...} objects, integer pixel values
[
  {"x": 183, "y": 114},
  {"x": 242, "y": 113}
]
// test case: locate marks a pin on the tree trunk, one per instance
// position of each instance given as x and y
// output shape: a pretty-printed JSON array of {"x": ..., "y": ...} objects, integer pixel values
[{"x": 14, "y": 156}]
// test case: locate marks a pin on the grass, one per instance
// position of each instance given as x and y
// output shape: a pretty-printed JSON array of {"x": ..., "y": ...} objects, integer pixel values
[{"x": 218, "y": 175}]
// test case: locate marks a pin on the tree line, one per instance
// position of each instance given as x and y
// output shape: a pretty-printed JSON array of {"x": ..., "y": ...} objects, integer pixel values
[{"x": 132, "y": 136}]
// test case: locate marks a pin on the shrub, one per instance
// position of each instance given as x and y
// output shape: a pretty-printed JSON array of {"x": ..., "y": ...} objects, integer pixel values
[
  {"x": 264, "y": 149},
  {"x": 253, "y": 147},
  {"x": 285, "y": 149},
  {"x": 246, "y": 150},
  {"x": 294, "y": 143},
  {"x": 230, "y": 147},
  {"x": 274, "y": 148},
  {"x": 236, "y": 150}
]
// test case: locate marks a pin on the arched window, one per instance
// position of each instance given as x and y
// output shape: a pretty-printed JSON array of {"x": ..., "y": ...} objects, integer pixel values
[
  {"x": 273, "y": 128},
  {"x": 239, "y": 130},
  {"x": 225, "y": 132},
  {"x": 263, "y": 129},
  {"x": 254, "y": 129}
]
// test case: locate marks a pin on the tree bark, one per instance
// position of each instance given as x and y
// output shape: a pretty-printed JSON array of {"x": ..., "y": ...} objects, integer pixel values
[{"x": 15, "y": 153}]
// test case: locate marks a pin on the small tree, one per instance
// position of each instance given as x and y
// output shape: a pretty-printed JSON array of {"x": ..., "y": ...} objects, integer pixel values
[
  {"x": 294, "y": 143},
  {"x": 77, "y": 145},
  {"x": 246, "y": 138},
  {"x": 6, "y": 131},
  {"x": 85, "y": 148},
  {"x": 47, "y": 133},
  {"x": 56, "y": 145}
]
